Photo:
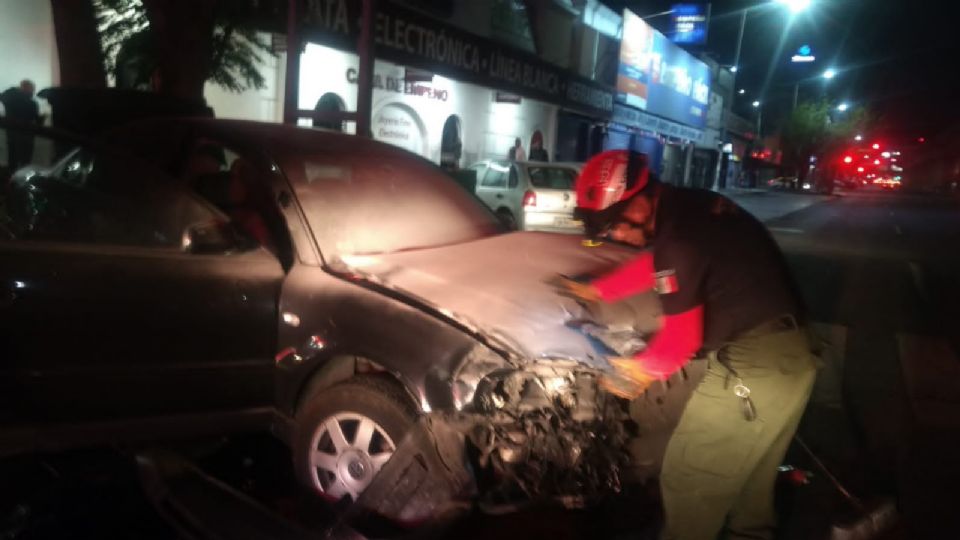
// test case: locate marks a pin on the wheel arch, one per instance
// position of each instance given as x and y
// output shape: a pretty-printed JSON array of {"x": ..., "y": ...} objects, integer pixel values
[{"x": 342, "y": 366}]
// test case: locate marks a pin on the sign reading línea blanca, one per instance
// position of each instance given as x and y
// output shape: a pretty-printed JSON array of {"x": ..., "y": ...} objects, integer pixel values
[{"x": 409, "y": 38}]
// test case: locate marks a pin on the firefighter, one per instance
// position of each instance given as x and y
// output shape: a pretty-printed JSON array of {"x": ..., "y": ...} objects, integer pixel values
[{"x": 727, "y": 298}]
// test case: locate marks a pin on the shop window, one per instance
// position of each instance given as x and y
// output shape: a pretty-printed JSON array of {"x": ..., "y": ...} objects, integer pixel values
[
  {"x": 597, "y": 136},
  {"x": 537, "y": 151},
  {"x": 329, "y": 102},
  {"x": 451, "y": 144}
]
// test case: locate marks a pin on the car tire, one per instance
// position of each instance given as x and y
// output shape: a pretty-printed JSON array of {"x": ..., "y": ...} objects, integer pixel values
[
  {"x": 337, "y": 465},
  {"x": 506, "y": 217}
]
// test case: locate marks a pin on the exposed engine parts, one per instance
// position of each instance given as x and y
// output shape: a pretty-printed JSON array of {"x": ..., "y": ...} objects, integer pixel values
[{"x": 546, "y": 432}]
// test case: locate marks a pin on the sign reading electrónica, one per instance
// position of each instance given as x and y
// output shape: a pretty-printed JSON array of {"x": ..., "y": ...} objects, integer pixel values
[
  {"x": 407, "y": 37},
  {"x": 659, "y": 77},
  {"x": 689, "y": 23}
]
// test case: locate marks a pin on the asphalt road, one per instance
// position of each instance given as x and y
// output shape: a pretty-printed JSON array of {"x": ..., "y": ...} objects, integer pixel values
[
  {"x": 881, "y": 277},
  {"x": 880, "y": 273}
]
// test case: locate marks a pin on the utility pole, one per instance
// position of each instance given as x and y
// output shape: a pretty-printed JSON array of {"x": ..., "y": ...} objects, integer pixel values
[
  {"x": 292, "y": 76},
  {"x": 728, "y": 104},
  {"x": 760, "y": 125},
  {"x": 365, "y": 75}
]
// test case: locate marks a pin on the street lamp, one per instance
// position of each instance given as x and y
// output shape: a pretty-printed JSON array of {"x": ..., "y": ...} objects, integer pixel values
[
  {"x": 843, "y": 107},
  {"x": 858, "y": 137},
  {"x": 756, "y": 103},
  {"x": 829, "y": 74},
  {"x": 742, "y": 91},
  {"x": 796, "y": 6}
]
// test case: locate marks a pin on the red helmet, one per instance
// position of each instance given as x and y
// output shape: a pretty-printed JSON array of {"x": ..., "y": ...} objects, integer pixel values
[{"x": 607, "y": 182}]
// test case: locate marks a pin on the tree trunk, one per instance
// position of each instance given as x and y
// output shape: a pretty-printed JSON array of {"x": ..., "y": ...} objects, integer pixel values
[
  {"x": 183, "y": 34},
  {"x": 78, "y": 44}
]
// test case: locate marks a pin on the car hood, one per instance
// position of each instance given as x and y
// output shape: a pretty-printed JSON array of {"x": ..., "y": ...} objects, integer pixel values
[{"x": 498, "y": 286}]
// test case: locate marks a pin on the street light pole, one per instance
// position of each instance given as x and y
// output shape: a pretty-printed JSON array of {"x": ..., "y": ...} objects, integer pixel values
[
  {"x": 736, "y": 55},
  {"x": 720, "y": 181},
  {"x": 759, "y": 125}
]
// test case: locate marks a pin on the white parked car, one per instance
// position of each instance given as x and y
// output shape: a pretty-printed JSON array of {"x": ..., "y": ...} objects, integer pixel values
[{"x": 530, "y": 195}]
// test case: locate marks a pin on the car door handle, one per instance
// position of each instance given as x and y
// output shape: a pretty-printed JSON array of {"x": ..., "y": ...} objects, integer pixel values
[{"x": 499, "y": 195}]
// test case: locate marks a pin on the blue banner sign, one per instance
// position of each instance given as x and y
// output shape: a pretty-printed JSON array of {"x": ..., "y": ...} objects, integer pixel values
[
  {"x": 689, "y": 23},
  {"x": 659, "y": 77}
]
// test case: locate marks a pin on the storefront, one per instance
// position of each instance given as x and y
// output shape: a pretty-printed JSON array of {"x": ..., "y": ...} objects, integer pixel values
[
  {"x": 662, "y": 99},
  {"x": 443, "y": 120},
  {"x": 668, "y": 145},
  {"x": 448, "y": 95}
]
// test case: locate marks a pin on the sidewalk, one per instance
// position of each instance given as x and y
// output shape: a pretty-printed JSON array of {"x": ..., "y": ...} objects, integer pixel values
[{"x": 768, "y": 205}]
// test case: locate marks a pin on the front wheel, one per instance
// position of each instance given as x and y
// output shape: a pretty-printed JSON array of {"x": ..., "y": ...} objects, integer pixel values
[{"x": 344, "y": 434}]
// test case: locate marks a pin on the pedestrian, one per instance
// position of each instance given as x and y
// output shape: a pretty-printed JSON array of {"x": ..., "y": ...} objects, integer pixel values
[
  {"x": 725, "y": 292},
  {"x": 516, "y": 152},
  {"x": 537, "y": 152},
  {"x": 20, "y": 107}
]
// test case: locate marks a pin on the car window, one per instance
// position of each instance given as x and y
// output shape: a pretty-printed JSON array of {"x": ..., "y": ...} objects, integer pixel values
[
  {"x": 70, "y": 193},
  {"x": 514, "y": 177},
  {"x": 552, "y": 177},
  {"x": 360, "y": 204},
  {"x": 496, "y": 176},
  {"x": 230, "y": 180}
]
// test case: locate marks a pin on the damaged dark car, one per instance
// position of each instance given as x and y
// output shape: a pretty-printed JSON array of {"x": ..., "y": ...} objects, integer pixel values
[{"x": 410, "y": 351}]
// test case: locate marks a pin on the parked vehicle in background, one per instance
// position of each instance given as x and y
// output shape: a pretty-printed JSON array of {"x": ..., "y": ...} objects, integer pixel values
[
  {"x": 783, "y": 182},
  {"x": 530, "y": 195}
]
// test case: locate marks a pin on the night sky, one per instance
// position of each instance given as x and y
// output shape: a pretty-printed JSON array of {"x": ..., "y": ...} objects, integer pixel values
[{"x": 899, "y": 57}]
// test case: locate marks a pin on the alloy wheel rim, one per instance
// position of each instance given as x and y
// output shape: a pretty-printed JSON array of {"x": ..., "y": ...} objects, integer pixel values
[{"x": 347, "y": 451}]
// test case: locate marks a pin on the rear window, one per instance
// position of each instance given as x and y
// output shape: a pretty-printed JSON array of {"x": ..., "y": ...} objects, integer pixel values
[{"x": 552, "y": 177}]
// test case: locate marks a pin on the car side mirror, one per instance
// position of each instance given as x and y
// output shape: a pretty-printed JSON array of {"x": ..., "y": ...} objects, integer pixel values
[{"x": 209, "y": 237}]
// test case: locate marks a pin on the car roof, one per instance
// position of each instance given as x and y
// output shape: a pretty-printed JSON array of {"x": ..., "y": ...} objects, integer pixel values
[
  {"x": 504, "y": 162},
  {"x": 277, "y": 140}
]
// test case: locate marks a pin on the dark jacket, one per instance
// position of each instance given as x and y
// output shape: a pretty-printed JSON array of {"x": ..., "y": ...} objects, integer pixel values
[{"x": 20, "y": 107}]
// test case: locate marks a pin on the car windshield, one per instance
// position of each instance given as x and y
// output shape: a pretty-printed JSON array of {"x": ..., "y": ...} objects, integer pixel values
[{"x": 359, "y": 205}]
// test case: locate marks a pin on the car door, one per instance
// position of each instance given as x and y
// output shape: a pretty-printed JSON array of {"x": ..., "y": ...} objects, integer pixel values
[
  {"x": 108, "y": 308},
  {"x": 492, "y": 189}
]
